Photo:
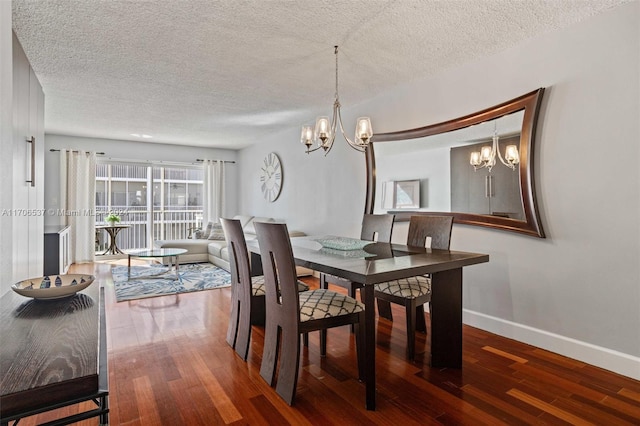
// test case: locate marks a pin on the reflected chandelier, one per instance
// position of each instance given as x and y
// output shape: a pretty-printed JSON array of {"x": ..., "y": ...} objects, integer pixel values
[
  {"x": 486, "y": 158},
  {"x": 325, "y": 131}
]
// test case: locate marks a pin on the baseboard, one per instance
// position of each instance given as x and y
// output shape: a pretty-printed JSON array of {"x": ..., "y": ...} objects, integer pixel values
[{"x": 611, "y": 360}]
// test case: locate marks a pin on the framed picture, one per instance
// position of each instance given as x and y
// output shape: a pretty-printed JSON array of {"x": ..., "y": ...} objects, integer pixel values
[{"x": 401, "y": 194}]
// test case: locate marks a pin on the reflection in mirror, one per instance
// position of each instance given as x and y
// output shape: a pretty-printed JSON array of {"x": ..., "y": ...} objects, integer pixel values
[
  {"x": 441, "y": 163},
  {"x": 404, "y": 194},
  {"x": 457, "y": 169}
]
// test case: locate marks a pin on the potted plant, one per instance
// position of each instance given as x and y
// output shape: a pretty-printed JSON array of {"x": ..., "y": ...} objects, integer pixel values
[{"x": 112, "y": 219}]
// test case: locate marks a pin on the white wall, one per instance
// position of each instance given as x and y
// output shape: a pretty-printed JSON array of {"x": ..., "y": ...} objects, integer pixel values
[
  {"x": 134, "y": 151},
  {"x": 6, "y": 137},
  {"x": 577, "y": 292}
]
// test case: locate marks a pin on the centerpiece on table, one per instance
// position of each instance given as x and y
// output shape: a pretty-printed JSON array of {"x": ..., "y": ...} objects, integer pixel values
[{"x": 112, "y": 219}]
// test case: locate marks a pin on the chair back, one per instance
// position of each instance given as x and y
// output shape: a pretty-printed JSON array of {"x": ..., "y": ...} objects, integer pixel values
[
  {"x": 279, "y": 269},
  {"x": 380, "y": 224},
  {"x": 238, "y": 255},
  {"x": 436, "y": 227}
]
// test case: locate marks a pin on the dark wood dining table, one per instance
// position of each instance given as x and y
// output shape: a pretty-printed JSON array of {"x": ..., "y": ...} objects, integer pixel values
[{"x": 384, "y": 262}]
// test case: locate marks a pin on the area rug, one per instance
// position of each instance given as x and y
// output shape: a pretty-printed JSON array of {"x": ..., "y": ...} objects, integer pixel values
[{"x": 157, "y": 280}]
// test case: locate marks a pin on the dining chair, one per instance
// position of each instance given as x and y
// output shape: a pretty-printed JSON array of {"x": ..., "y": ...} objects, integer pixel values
[
  {"x": 247, "y": 292},
  {"x": 375, "y": 227},
  {"x": 290, "y": 313},
  {"x": 414, "y": 292}
]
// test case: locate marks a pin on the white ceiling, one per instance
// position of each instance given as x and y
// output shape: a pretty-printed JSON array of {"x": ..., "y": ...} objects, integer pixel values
[{"x": 223, "y": 73}]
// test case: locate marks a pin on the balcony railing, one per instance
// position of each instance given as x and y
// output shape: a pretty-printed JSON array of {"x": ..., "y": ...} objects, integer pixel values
[{"x": 165, "y": 224}]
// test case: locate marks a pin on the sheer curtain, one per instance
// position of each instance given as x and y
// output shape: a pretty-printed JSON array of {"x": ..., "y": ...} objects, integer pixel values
[
  {"x": 78, "y": 199},
  {"x": 213, "y": 190}
]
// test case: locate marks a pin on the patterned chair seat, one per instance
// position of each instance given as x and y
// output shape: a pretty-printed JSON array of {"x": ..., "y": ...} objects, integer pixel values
[
  {"x": 413, "y": 293},
  {"x": 257, "y": 285},
  {"x": 318, "y": 304},
  {"x": 407, "y": 288}
]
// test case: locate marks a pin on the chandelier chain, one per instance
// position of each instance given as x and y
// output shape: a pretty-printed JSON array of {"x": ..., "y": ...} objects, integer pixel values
[{"x": 336, "y": 53}]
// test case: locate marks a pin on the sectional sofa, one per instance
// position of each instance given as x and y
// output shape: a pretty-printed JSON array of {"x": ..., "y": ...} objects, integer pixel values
[{"x": 215, "y": 250}]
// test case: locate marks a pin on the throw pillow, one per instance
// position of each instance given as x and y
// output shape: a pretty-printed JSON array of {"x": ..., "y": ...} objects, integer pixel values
[
  {"x": 207, "y": 231},
  {"x": 217, "y": 233}
]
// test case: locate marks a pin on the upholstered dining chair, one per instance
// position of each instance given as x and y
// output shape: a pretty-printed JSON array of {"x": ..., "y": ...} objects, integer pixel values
[
  {"x": 375, "y": 227},
  {"x": 290, "y": 313},
  {"x": 414, "y": 292},
  {"x": 247, "y": 292}
]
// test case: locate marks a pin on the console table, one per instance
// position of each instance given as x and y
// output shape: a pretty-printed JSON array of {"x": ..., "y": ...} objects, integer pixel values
[{"x": 53, "y": 354}]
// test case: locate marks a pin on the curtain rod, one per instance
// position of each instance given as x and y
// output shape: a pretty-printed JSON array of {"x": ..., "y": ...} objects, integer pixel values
[
  {"x": 152, "y": 162},
  {"x": 146, "y": 162},
  {"x": 200, "y": 160},
  {"x": 57, "y": 150}
]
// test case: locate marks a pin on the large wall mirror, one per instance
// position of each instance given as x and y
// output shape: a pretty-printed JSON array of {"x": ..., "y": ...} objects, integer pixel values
[{"x": 437, "y": 169}]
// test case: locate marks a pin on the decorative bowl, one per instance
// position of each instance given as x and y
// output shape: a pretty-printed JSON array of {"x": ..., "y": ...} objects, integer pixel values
[
  {"x": 53, "y": 286},
  {"x": 342, "y": 243},
  {"x": 354, "y": 254}
]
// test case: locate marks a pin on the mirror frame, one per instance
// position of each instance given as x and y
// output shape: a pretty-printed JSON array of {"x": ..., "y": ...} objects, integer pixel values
[{"x": 530, "y": 102}]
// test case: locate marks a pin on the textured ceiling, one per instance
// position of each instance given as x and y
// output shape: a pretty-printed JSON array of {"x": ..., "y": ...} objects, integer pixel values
[{"x": 222, "y": 73}]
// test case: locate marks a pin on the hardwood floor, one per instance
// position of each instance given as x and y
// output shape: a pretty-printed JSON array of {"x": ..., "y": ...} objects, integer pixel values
[{"x": 169, "y": 364}]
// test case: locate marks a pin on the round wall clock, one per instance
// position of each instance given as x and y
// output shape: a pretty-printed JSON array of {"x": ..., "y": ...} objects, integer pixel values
[{"x": 271, "y": 177}]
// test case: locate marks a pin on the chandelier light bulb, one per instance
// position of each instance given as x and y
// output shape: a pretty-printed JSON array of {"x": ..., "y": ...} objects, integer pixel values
[
  {"x": 475, "y": 159},
  {"x": 511, "y": 155},
  {"x": 363, "y": 130},
  {"x": 306, "y": 137},
  {"x": 323, "y": 131},
  {"x": 485, "y": 153}
]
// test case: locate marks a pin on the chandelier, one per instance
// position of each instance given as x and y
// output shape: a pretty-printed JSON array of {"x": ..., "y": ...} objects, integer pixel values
[
  {"x": 324, "y": 133},
  {"x": 486, "y": 158}
]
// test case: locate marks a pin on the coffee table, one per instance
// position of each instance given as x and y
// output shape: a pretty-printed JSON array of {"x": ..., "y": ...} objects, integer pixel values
[{"x": 168, "y": 252}]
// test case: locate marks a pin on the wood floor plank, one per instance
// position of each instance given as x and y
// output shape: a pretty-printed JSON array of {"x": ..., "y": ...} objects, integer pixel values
[
  {"x": 169, "y": 363},
  {"x": 556, "y": 359},
  {"x": 541, "y": 376},
  {"x": 597, "y": 414},
  {"x": 269, "y": 414},
  {"x": 605, "y": 381},
  {"x": 610, "y": 414},
  {"x": 499, "y": 407},
  {"x": 505, "y": 354},
  {"x": 632, "y": 410},
  {"x": 192, "y": 411},
  {"x": 418, "y": 394},
  {"x": 627, "y": 393},
  {"x": 351, "y": 393},
  {"x": 219, "y": 397},
  {"x": 549, "y": 408},
  {"x": 146, "y": 401}
]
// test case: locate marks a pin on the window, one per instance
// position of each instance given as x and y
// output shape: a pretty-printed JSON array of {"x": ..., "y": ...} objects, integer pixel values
[{"x": 168, "y": 211}]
